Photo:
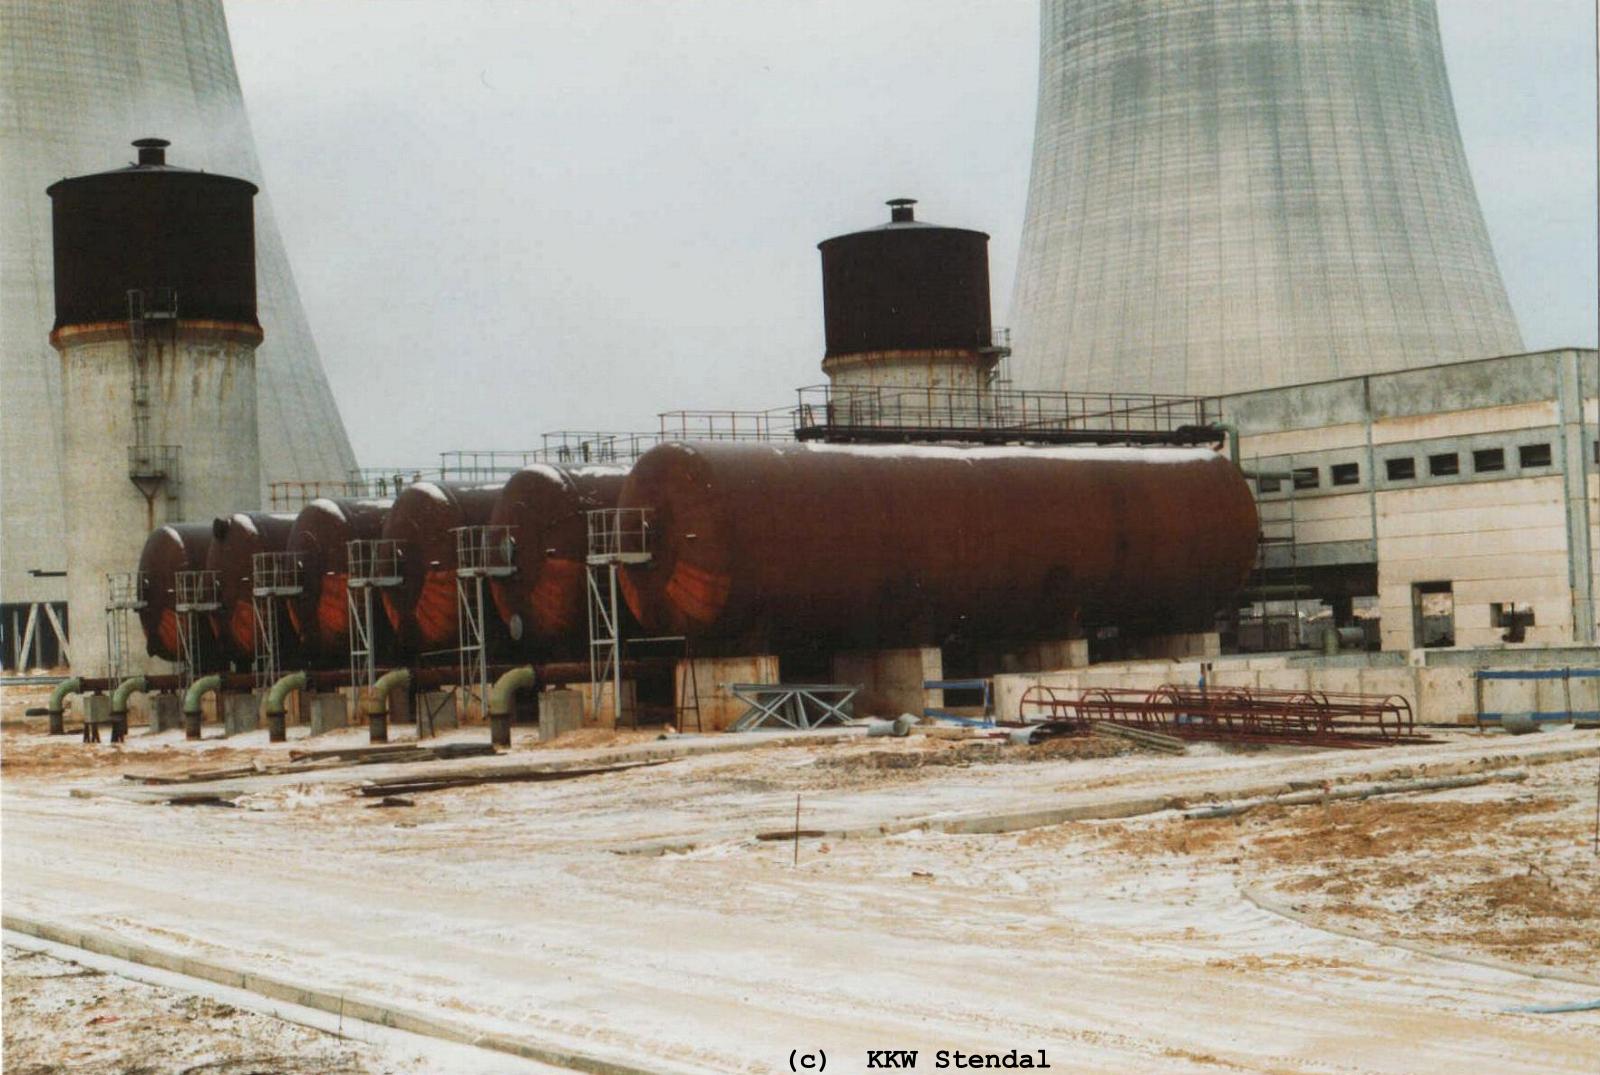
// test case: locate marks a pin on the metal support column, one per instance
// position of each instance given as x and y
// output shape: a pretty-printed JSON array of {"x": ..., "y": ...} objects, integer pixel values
[
  {"x": 371, "y": 566},
  {"x": 482, "y": 552},
  {"x": 274, "y": 576},
  {"x": 124, "y": 594},
  {"x": 617, "y": 537},
  {"x": 198, "y": 595}
]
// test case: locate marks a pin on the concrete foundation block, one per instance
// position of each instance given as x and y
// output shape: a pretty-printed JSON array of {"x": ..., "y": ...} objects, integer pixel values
[
  {"x": 560, "y": 711},
  {"x": 326, "y": 712},
  {"x": 95, "y": 707},
  {"x": 241, "y": 712},
  {"x": 165, "y": 712},
  {"x": 1052, "y": 656},
  {"x": 438, "y": 710},
  {"x": 603, "y": 716},
  {"x": 713, "y": 680},
  {"x": 891, "y": 680}
]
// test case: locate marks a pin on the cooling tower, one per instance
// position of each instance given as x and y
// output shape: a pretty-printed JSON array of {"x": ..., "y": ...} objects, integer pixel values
[
  {"x": 1239, "y": 194},
  {"x": 78, "y": 80}
]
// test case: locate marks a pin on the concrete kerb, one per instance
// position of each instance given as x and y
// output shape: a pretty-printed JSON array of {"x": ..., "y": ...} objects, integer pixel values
[
  {"x": 1104, "y": 810},
  {"x": 366, "y": 1011},
  {"x": 1452, "y": 955}
]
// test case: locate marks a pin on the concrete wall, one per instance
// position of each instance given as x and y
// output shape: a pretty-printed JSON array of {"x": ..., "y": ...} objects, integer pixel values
[
  {"x": 714, "y": 678},
  {"x": 202, "y": 391},
  {"x": 964, "y": 370},
  {"x": 1524, "y": 532}
]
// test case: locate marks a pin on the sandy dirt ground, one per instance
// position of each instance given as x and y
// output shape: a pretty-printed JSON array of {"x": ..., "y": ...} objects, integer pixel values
[{"x": 552, "y": 911}]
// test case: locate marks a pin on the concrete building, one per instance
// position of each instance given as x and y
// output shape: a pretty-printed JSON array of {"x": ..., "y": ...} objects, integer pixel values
[
  {"x": 1464, "y": 498},
  {"x": 79, "y": 78},
  {"x": 1235, "y": 196}
]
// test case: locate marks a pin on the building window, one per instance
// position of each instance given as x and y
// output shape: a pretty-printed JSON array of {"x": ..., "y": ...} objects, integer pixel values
[
  {"x": 1433, "y": 612},
  {"x": 1268, "y": 485},
  {"x": 1345, "y": 473},
  {"x": 1444, "y": 464},
  {"x": 1485, "y": 460},
  {"x": 1400, "y": 470},
  {"x": 1515, "y": 616},
  {"x": 1306, "y": 478},
  {"x": 1534, "y": 455}
]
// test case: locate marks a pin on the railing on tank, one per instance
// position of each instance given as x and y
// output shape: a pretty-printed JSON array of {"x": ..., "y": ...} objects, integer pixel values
[
  {"x": 383, "y": 482},
  {"x": 484, "y": 551},
  {"x": 293, "y": 495},
  {"x": 275, "y": 574},
  {"x": 197, "y": 591},
  {"x": 775, "y": 424},
  {"x": 126, "y": 590},
  {"x": 154, "y": 461},
  {"x": 619, "y": 535},
  {"x": 373, "y": 562},
  {"x": 877, "y": 412}
]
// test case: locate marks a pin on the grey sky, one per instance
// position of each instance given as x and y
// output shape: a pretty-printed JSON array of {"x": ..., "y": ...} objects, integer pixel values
[{"x": 507, "y": 218}]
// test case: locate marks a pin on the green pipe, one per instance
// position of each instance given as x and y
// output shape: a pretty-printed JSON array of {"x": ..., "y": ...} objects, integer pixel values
[
  {"x": 505, "y": 689},
  {"x": 197, "y": 691},
  {"x": 377, "y": 702},
  {"x": 58, "y": 703},
  {"x": 119, "y": 697},
  {"x": 1233, "y": 439},
  {"x": 58, "y": 696},
  {"x": 278, "y": 696}
]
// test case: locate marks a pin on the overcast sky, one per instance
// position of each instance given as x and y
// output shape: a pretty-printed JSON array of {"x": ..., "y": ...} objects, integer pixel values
[{"x": 507, "y": 218}]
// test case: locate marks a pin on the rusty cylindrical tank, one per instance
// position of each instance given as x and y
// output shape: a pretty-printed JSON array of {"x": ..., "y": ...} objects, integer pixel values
[
  {"x": 235, "y": 539},
  {"x": 321, "y": 613},
  {"x": 855, "y": 546},
  {"x": 422, "y": 608},
  {"x": 167, "y": 551},
  {"x": 544, "y": 605}
]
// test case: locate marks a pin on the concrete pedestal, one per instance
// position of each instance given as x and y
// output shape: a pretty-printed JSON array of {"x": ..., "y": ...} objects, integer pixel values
[
  {"x": 241, "y": 712},
  {"x": 1051, "y": 656},
  {"x": 603, "y": 717},
  {"x": 1202, "y": 645},
  {"x": 325, "y": 712},
  {"x": 891, "y": 680},
  {"x": 436, "y": 711},
  {"x": 559, "y": 712},
  {"x": 713, "y": 680},
  {"x": 165, "y": 712},
  {"x": 94, "y": 707}
]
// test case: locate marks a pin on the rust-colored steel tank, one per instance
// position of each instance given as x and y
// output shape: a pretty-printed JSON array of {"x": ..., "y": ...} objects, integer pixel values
[
  {"x": 857, "y": 546},
  {"x": 235, "y": 539},
  {"x": 544, "y": 605},
  {"x": 167, "y": 551},
  {"x": 422, "y": 608},
  {"x": 321, "y": 613}
]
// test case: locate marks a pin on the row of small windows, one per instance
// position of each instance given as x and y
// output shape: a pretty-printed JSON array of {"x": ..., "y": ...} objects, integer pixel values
[{"x": 1404, "y": 468}]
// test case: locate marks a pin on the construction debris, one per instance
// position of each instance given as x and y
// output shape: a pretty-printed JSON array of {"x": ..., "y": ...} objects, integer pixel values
[{"x": 1367, "y": 791}]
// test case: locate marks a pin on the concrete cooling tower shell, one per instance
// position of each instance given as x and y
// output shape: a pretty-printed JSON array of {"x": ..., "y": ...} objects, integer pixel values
[
  {"x": 1246, "y": 194},
  {"x": 79, "y": 80}
]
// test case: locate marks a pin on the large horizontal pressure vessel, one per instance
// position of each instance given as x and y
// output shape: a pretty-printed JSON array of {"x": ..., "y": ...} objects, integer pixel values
[
  {"x": 235, "y": 539},
  {"x": 318, "y": 540},
  {"x": 168, "y": 550},
  {"x": 422, "y": 608},
  {"x": 854, "y": 546},
  {"x": 544, "y": 604}
]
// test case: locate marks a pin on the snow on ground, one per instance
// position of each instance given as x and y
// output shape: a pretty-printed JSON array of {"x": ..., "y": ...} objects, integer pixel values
[{"x": 549, "y": 911}]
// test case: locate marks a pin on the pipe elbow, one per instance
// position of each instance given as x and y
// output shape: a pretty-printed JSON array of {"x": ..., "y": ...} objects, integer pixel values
[
  {"x": 377, "y": 702},
  {"x": 278, "y": 695},
  {"x": 197, "y": 690},
  {"x": 506, "y": 687},
  {"x": 58, "y": 695},
  {"x": 119, "y": 697}
]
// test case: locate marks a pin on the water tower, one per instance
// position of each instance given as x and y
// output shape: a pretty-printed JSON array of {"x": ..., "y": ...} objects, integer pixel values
[{"x": 155, "y": 299}]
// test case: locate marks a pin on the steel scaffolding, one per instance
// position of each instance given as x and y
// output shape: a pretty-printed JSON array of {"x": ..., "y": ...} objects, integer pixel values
[
  {"x": 274, "y": 576},
  {"x": 617, "y": 537},
  {"x": 372, "y": 564},
  {"x": 482, "y": 552},
  {"x": 124, "y": 594},
  {"x": 198, "y": 593}
]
